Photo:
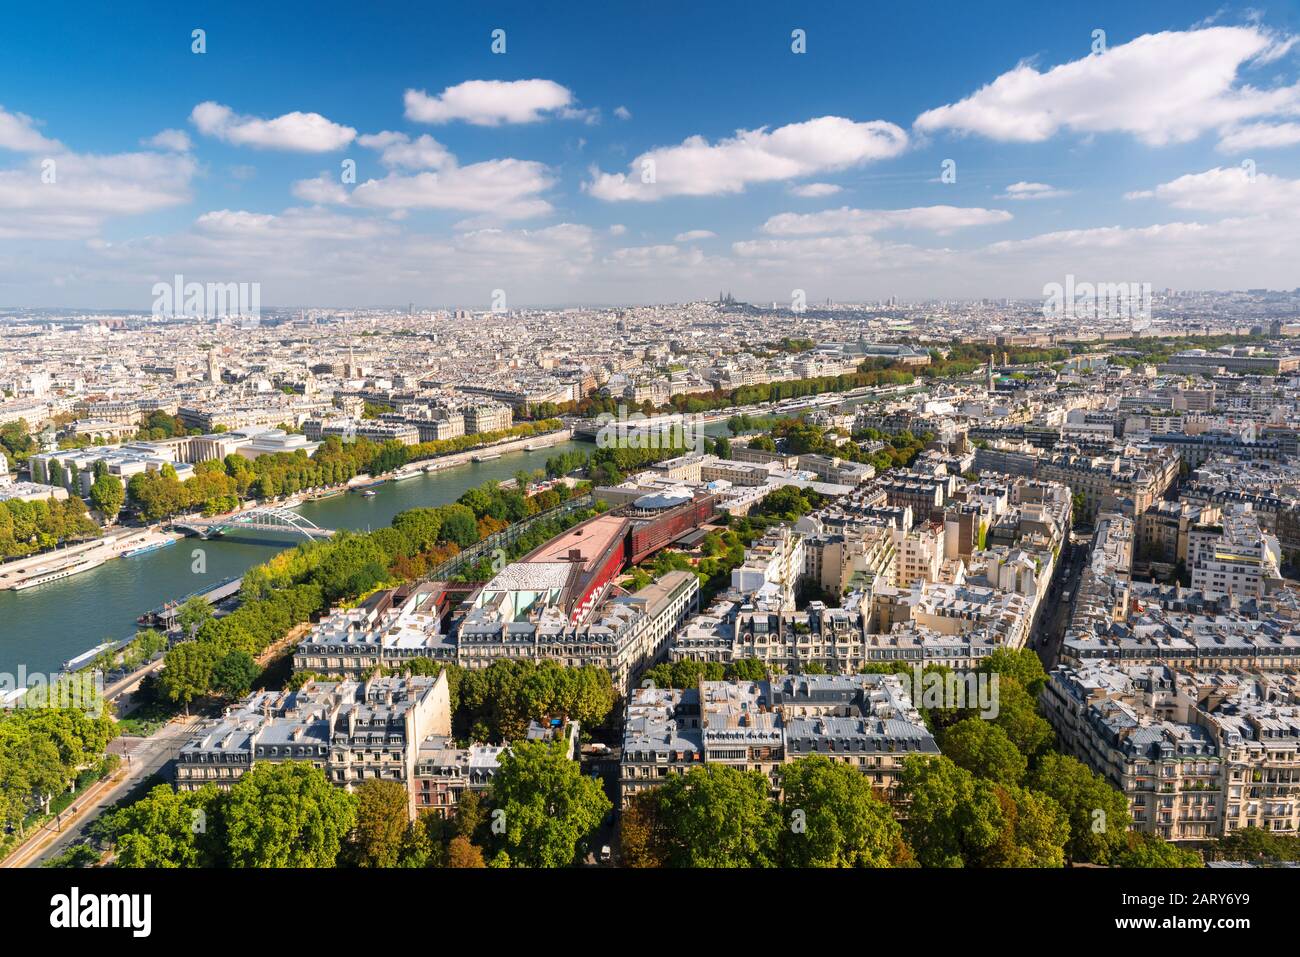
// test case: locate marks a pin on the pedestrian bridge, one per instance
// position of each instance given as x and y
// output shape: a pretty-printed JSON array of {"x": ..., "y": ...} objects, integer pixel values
[{"x": 265, "y": 519}]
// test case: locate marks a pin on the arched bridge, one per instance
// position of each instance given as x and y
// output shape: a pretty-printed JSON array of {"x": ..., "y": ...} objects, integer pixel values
[{"x": 265, "y": 519}]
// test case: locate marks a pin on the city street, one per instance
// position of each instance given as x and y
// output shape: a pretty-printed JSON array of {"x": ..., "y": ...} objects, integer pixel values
[
  {"x": 141, "y": 757},
  {"x": 1055, "y": 617}
]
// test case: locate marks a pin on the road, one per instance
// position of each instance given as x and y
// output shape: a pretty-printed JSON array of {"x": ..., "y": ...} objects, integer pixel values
[
  {"x": 141, "y": 757},
  {"x": 1055, "y": 618}
]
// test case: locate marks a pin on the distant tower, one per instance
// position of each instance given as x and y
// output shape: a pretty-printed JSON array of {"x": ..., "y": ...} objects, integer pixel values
[
  {"x": 990, "y": 373},
  {"x": 214, "y": 369}
]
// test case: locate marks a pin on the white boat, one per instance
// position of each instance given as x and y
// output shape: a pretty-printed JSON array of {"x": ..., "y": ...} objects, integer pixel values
[
  {"x": 433, "y": 466},
  {"x": 42, "y": 577},
  {"x": 146, "y": 549},
  {"x": 486, "y": 458},
  {"x": 369, "y": 493}
]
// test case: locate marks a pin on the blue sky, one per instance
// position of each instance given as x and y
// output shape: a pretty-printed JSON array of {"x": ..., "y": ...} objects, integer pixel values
[{"x": 523, "y": 170}]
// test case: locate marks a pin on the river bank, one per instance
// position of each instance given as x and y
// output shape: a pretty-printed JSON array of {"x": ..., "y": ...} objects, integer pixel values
[
  {"x": 61, "y": 563},
  {"x": 42, "y": 627}
]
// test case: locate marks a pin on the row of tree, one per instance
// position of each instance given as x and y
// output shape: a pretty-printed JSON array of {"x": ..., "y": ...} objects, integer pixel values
[
  {"x": 30, "y": 527},
  {"x": 219, "y": 486},
  {"x": 42, "y": 751}
]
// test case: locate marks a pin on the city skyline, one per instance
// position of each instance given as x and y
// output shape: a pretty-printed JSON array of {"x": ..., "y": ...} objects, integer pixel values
[{"x": 896, "y": 157}]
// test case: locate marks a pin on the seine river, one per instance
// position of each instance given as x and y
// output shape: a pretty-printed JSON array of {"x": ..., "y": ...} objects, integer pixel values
[{"x": 42, "y": 627}]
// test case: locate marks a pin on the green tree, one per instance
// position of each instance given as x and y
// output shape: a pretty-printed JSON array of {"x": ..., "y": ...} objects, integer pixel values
[
  {"x": 187, "y": 672},
  {"x": 717, "y": 816},
  {"x": 1018, "y": 716},
  {"x": 641, "y": 842},
  {"x": 747, "y": 669},
  {"x": 461, "y": 853},
  {"x": 193, "y": 614},
  {"x": 1098, "y": 813},
  {"x": 1258, "y": 845},
  {"x": 235, "y": 673},
  {"x": 1034, "y": 829},
  {"x": 383, "y": 812},
  {"x": 546, "y": 804},
  {"x": 984, "y": 749},
  {"x": 471, "y": 814},
  {"x": 168, "y": 828},
  {"x": 953, "y": 818},
  {"x": 287, "y": 815},
  {"x": 459, "y": 526},
  {"x": 1021, "y": 664},
  {"x": 1150, "y": 850},
  {"x": 834, "y": 819},
  {"x": 107, "y": 495}
]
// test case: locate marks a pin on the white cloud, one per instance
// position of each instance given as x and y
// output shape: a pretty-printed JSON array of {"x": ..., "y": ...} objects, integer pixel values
[
  {"x": 173, "y": 141},
  {"x": 399, "y": 150},
  {"x": 699, "y": 168},
  {"x": 1252, "y": 245},
  {"x": 825, "y": 257},
  {"x": 18, "y": 133},
  {"x": 87, "y": 190},
  {"x": 815, "y": 190},
  {"x": 325, "y": 189},
  {"x": 642, "y": 255},
  {"x": 489, "y": 102},
  {"x": 622, "y": 112},
  {"x": 938, "y": 219},
  {"x": 1260, "y": 136},
  {"x": 293, "y": 224},
  {"x": 297, "y": 132},
  {"x": 618, "y": 229},
  {"x": 506, "y": 188},
  {"x": 1228, "y": 190},
  {"x": 1024, "y": 190},
  {"x": 692, "y": 235},
  {"x": 500, "y": 190},
  {"x": 1162, "y": 88}
]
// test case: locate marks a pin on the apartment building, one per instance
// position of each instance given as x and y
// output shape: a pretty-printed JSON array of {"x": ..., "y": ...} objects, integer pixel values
[
  {"x": 1234, "y": 556},
  {"x": 854, "y": 559},
  {"x": 1129, "y": 479},
  {"x": 353, "y": 730},
  {"x": 865, "y": 721},
  {"x": 1198, "y": 755},
  {"x": 388, "y": 629},
  {"x": 488, "y": 417},
  {"x": 1161, "y": 534},
  {"x": 955, "y": 609},
  {"x": 74, "y": 469},
  {"x": 920, "y": 553},
  {"x": 374, "y": 430},
  {"x": 772, "y": 568},
  {"x": 623, "y": 635},
  {"x": 444, "y": 772}
]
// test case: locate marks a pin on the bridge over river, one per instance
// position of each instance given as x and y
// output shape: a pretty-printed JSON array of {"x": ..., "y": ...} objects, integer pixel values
[{"x": 262, "y": 519}]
